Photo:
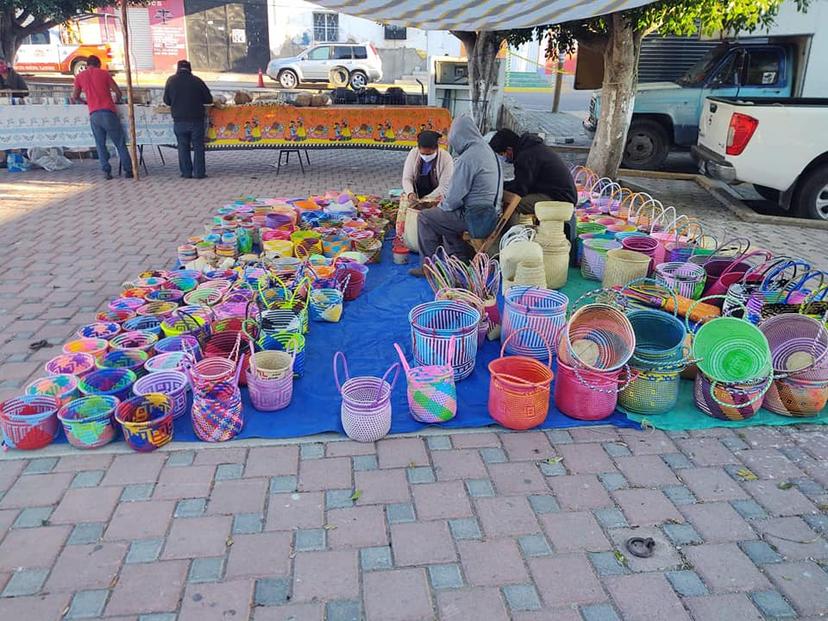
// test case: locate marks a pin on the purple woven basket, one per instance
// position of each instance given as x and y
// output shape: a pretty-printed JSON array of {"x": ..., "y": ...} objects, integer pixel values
[
  {"x": 174, "y": 384},
  {"x": 433, "y": 324},
  {"x": 366, "y": 402},
  {"x": 269, "y": 395},
  {"x": 799, "y": 347},
  {"x": 686, "y": 279},
  {"x": 644, "y": 245}
]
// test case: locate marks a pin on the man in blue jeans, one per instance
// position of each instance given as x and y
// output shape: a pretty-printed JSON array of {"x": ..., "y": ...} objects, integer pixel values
[
  {"x": 99, "y": 87},
  {"x": 187, "y": 95}
]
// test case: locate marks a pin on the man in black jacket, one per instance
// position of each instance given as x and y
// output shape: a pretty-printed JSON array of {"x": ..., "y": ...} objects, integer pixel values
[
  {"x": 540, "y": 174},
  {"x": 187, "y": 94}
]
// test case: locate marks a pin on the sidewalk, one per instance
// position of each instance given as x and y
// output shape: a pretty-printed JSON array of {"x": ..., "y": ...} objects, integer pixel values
[{"x": 559, "y": 128}]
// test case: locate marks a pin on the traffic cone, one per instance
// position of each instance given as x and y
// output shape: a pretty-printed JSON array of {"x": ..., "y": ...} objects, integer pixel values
[{"x": 261, "y": 79}]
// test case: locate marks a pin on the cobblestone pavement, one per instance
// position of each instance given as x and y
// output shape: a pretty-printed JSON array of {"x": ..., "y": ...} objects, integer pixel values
[{"x": 489, "y": 526}]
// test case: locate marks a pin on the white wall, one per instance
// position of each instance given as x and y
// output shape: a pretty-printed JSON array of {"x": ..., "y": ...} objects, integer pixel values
[{"x": 291, "y": 21}]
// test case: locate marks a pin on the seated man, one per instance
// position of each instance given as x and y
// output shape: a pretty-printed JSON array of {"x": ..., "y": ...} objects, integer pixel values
[
  {"x": 427, "y": 169},
  {"x": 472, "y": 200},
  {"x": 540, "y": 173},
  {"x": 11, "y": 83}
]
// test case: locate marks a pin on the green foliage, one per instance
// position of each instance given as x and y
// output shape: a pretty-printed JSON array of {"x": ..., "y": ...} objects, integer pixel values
[{"x": 668, "y": 17}]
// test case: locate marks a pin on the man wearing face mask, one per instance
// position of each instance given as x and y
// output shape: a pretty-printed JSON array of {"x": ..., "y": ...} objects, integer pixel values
[
  {"x": 428, "y": 169},
  {"x": 540, "y": 173}
]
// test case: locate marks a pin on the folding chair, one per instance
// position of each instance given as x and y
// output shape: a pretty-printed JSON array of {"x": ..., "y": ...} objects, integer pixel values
[{"x": 510, "y": 203}]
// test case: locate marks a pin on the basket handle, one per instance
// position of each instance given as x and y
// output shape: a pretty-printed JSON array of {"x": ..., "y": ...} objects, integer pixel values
[
  {"x": 819, "y": 292},
  {"x": 659, "y": 217},
  {"x": 629, "y": 374},
  {"x": 761, "y": 395},
  {"x": 404, "y": 362},
  {"x": 652, "y": 299},
  {"x": 340, "y": 356},
  {"x": 741, "y": 249},
  {"x": 396, "y": 369},
  {"x": 736, "y": 304},
  {"x": 807, "y": 276},
  {"x": 738, "y": 260},
  {"x": 528, "y": 329}
]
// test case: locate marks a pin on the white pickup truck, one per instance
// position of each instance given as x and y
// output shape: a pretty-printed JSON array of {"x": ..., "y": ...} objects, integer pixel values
[{"x": 778, "y": 145}]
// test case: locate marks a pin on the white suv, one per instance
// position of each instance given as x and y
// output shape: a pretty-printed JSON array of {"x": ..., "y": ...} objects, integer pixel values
[{"x": 339, "y": 63}]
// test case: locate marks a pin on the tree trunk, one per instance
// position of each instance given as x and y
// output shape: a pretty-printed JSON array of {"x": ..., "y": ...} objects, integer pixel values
[
  {"x": 8, "y": 35},
  {"x": 617, "y": 96},
  {"x": 482, "y": 48}
]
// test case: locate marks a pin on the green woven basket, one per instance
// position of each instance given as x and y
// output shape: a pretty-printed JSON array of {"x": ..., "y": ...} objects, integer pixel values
[{"x": 732, "y": 350}]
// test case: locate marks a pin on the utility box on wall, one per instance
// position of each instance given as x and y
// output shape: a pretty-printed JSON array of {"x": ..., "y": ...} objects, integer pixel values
[{"x": 449, "y": 87}]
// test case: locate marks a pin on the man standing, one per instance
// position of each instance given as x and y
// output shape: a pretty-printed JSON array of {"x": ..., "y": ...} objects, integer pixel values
[
  {"x": 11, "y": 82},
  {"x": 98, "y": 87},
  {"x": 187, "y": 95},
  {"x": 540, "y": 173}
]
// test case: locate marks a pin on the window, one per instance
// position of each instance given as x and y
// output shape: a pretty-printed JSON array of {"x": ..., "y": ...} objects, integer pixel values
[
  {"x": 395, "y": 33},
  {"x": 326, "y": 26},
  {"x": 726, "y": 75},
  {"x": 342, "y": 52},
  {"x": 323, "y": 52},
  {"x": 360, "y": 53},
  {"x": 762, "y": 68},
  {"x": 40, "y": 38}
]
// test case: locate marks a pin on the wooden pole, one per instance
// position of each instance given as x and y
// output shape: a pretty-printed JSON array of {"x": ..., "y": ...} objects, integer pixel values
[
  {"x": 133, "y": 147},
  {"x": 556, "y": 101}
]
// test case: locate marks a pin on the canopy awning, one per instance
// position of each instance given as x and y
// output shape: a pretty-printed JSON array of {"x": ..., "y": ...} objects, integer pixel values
[{"x": 477, "y": 14}]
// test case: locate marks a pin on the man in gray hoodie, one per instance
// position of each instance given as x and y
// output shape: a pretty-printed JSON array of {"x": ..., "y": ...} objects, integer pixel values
[{"x": 472, "y": 200}]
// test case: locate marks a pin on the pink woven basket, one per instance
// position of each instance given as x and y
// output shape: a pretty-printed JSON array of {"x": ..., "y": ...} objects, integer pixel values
[
  {"x": 432, "y": 394},
  {"x": 269, "y": 394},
  {"x": 366, "y": 402}
]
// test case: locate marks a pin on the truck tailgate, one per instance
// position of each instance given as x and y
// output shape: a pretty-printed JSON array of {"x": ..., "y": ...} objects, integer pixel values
[{"x": 714, "y": 125}]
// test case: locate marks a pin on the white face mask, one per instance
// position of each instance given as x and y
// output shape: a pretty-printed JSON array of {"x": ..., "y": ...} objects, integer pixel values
[{"x": 428, "y": 158}]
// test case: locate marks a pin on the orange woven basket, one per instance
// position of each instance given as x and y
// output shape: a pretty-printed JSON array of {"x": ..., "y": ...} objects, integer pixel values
[{"x": 520, "y": 387}]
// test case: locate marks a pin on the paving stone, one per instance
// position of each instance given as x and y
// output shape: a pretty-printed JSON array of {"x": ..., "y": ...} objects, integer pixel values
[
  {"x": 239, "y": 496},
  {"x": 283, "y": 483},
  {"x": 460, "y": 464},
  {"x": 247, "y": 524},
  {"x": 476, "y": 603},
  {"x": 552, "y": 469},
  {"x": 711, "y": 484},
  {"x": 534, "y": 545},
  {"x": 477, "y": 439},
  {"x": 676, "y": 461},
  {"x": 613, "y": 480},
  {"x": 615, "y": 449},
  {"x": 507, "y": 516},
  {"x": 259, "y": 554},
  {"x": 289, "y": 511},
  {"x": 271, "y": 591},
  {"x": 710, "y": 607},
  {"x": 580, "y": 492},
  {"x": 33, "y": 517},
  {"x": 25, "y": 582},
  {"x": 686, "y": 583},
  {"x": 760, "y": 552},
  {"x": 646, "y": 507},
  {"x": 610, "y": 517},
  {"x": 140, "y": 491},
  {"x": 803, "y": 584},
  {"x": 718, "y": 521},
  {"x": 365, "y": 462},
  {"x": 779, "y": 502},
  {"x": 89, "y": 478},
  {"x": 438, "y": 443},
  {"x": 420, "y": 474},
  {"x": 586, "y": 458},
  {"x": 517, "y": 478},
  {"x": 344, "y": 610},
  {"x": 90, "y": 532},
  {"x": 734, "y": 444},
  {"x": 682, "y": 534},
  {"x": 749, "y": 509},
  {"x": 707, "y": 452},
  {"x": 411, "y": 601},
  {"x": 574, "y": 531},
  {"x": 492, "y": 563},
  {"x": 229, "y": 472},
  {"x": 43, "y": 465},
  {"x": 382, "y": 486},
  {"x": 421, "y": 543},
  {"x": 272, "y": 461},
  {"x": 349, "y": 448},
  {"x": 49, "y": 606},
  {"x": 665, "y": 556},
  {"x": 190, "y": 507},
  {"x": 724, "y": 567},
  {"x": 480, "y": 488},
  {"x": 87, "y": 604},
  {"x": 465, "y": 528},
  {"x": 314, "y": 450},
  {"x": 645, "y": 596},
  {"x": 606, "y": 564},
  {"x": 223, "y": 456},
  {"x": 599, "y": 612},
  {"x": 401, "y": 453},
  {"x": 526, "y": 446},
  {"x": 493, "y": 455},
  {"x": 221, "y": 600},
  {"x": 140, "y": 520},
  {"x": 323, "y": 474},
  {"x": 443, "y": 500},
  {"x": 206, "y": 570},
  {"x": 521, "y": 597},
  {"x": 307, "y": 540},
  {"x": 371, "y": 559},
  {"x": 164, "y": 580},
  {"x": 184, "y": 482},
  {"x": 357, "y": 527},
  {"x": 646, "y": 471},
  {"x": 332, "y": 574},
  {"x": 32, "y": 547},
  {"x": 198, "y": 536},
  {"x": 809, "y": 487},
  {"x": 566, "y": 580},
  {"x": 94, "y": 504},
  {"x": 399, "y": 513},
  {"x": 559, "y": 436},
  {"x": 445, "y": 576},
  {"x": 545, "y": 503},
  {"x": 339, "y": 498},
  {"x": 91, "y": 566},
  {"x": 818, "y": 522},
  {"x": 653, "y": 442},
  {"x": 773, "y": 605},
  {"x": 144, "y": 551},
  {"x": 181, "y": 458},
  {"x": 163, "y": 616},
  {"x": 679, "y": 495},
  {"x": 769, "y": 463},
  {"x": 793, "y": 539}
]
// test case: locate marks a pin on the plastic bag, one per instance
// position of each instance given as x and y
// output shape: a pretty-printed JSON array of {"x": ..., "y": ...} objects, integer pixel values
[
  {"x": 16, "y": 163},
  {"x": 51, "y": 159}
]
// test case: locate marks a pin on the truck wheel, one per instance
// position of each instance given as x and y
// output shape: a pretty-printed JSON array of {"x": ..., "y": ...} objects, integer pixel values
[
  {"x": 79, "y": 66},
  {"x": 812, "y": 194},
  {"x": 647, "y": 146},
  {"x": 358, "y": 80},
  {"x": 769, "y": 194}
]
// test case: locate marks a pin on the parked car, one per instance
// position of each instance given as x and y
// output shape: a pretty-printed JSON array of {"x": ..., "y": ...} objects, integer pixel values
[
  {"x": 779, "y": 145},
  {"x": 339, "y": 63}
]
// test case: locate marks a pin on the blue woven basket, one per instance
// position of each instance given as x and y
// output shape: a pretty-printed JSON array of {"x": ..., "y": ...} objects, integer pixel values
[{"x": 433, "y": 324}]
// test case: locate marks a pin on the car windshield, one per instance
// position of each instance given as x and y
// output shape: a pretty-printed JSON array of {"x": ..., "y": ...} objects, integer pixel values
[{"x": 698, "y": 72}]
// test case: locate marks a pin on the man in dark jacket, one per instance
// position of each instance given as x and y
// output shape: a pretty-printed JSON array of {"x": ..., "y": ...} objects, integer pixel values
[
  {"x": 540, "y": 174},
  {"x": 10, "y": 81},
  {"x": 187, "y": 95}
]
